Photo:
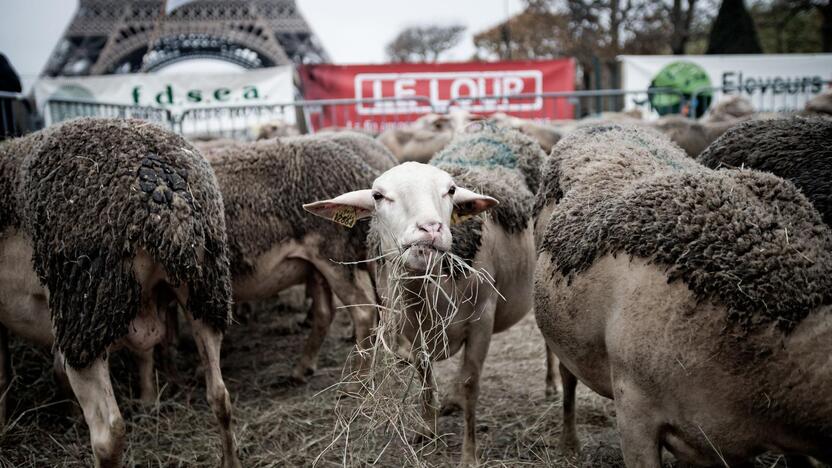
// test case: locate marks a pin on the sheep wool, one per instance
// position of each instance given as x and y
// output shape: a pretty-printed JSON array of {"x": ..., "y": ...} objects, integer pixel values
[
  {"x": 91, "y": 195},
  {"x": 12, "y": 153},
  {"x": 265, "y": 185},
  {"x": 371, "y": 151},
  {"x": 501, "y": 163},
  {"x": 744, "y": 239},
  {"x": 796, "y": 149}
]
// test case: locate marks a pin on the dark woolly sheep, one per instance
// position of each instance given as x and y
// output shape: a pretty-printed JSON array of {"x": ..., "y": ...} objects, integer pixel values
[
  {"x": 715, "y": 284},
  {"x": 412, "y": 206},
  {"x": 274, "y": 244},
  {"x": 115, "y": 215},
  {"x": 796, "y": 149}
]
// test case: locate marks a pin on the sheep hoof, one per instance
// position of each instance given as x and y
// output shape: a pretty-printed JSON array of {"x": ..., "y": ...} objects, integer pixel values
[
  {"x": 449, "y": 407},
  {"x": 551, "y": 392},
  {"x": 569, "y": 444},
  {"x": 231, "y": 462},
  {"x": 301, "y": 374},
  {"x": 469, "y": 461}
]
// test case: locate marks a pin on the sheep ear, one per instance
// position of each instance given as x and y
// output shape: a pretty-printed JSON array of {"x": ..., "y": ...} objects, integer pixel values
[
  {"x": 344, "y": 209},
  {"x": 468, "y": 204}
]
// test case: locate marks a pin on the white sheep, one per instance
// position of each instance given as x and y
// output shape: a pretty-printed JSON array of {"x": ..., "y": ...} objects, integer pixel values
[{"x": 412, "y": 207}]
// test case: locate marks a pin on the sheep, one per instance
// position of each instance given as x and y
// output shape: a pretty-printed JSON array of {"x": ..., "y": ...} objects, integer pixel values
[
  {"x": 697, "y": 299},
  {"x": 796, "y": 149},
  {"x": 691, "y": 135},
  {"x": 730, "y": 108},
  {"x": 412, "y": 207},
  {"x": 101, "y": 220},
  {"x": 820, "y": 105},
  {"x": 274, "y": 128},
  {"x": 414, "y": 144},
  {"x": 369, "y": 149},
  {"x": 545, "y": 135},
  {"x": 272, "y": 243},
  {"x": 426, "y": 136}
]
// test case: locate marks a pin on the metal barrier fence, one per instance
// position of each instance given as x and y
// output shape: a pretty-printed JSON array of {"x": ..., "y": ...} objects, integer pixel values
[
  {"x": 380, "y": 114},
  {"x": 16, "y": 115},
  {"x": 60, "y": 109},
  {"x": 574, "y": 104},
  {"x": 374, "y": 115},
  {"x": 769, "y": 97},
  {"x": 377, "y": 115},
  {"x": 230, "y": 121},
  {"x": 310, "y": 116}
]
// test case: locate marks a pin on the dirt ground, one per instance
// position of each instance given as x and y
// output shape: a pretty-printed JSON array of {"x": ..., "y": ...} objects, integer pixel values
[{"x": 280, "y": 423}]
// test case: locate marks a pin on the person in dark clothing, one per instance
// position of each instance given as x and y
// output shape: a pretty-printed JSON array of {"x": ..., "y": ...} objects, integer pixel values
[
  {"x": 9, "y": 81},
  {"x": 14, "y": 112}
]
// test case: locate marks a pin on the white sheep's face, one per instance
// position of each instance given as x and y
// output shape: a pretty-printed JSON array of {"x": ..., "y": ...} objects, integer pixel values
[{"x": 412, "y": 205}]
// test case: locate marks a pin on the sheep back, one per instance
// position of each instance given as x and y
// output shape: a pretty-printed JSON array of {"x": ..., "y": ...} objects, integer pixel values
[
  {"x": 619, "y": 154},
  {"x": 744, "y": 239},
  {"x": 92, "y": 194},
  {"x": 265, "y": 185},
  {"x": 368, "y": 148},
  {"x": 796, "y": 149}
]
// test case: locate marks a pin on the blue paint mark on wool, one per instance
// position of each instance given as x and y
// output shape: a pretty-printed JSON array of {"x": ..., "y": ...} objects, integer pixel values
[{"x": 493, "y": 153}]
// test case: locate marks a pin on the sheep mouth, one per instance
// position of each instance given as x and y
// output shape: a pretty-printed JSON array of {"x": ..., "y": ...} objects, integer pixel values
[{"x": 423, "y": 248}]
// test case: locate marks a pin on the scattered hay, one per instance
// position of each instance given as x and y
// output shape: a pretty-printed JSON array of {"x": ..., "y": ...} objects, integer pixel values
[{"x": 383, "y": 412}]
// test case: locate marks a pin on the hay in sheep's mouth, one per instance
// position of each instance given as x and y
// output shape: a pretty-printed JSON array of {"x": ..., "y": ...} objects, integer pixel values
[{"x": 384, "y": 403}]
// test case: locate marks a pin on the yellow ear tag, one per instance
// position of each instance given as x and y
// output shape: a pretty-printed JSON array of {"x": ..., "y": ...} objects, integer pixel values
[{"x": 345, "y": 216}]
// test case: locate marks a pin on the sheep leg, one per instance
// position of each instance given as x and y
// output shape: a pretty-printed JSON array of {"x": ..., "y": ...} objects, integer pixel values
[
  {"x": 568, "y": 434},
  {"x": 147, "y": 386},
  {"x": 476, "y": 349},
  {"x": 452, "y": 402},
  {"x": 551, "y": 373},
  {"x": 5, "y": 373},
  {"x": 639, "y": 433},
  {"x": 322, "y": 313},
  {"x": 168, "y": 348},
  {"x": 208, "y": 342},
  {"x": 94, "y": 391},
  {"x": 64, "y": 387}
]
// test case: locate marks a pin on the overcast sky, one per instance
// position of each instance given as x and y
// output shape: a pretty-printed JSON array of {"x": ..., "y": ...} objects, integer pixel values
[{"x": 352, "y": 31}]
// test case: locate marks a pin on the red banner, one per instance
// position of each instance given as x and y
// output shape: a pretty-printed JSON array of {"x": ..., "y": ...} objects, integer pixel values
[{"x": 381, "y": 96}]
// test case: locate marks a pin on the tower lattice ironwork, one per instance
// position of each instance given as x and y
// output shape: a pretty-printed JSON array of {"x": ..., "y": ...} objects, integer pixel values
[{"x": 130, "y": 36}]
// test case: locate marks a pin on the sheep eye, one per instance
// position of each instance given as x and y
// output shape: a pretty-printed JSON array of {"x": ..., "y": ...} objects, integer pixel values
[
  {"x": 377, "y": 196},
  {"x": 452, "y": 191}
]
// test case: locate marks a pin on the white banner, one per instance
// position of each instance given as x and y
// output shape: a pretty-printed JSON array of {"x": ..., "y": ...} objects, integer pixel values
[
  {"x": 773, "y": 82},
  {"x": 176, "y": 91}
]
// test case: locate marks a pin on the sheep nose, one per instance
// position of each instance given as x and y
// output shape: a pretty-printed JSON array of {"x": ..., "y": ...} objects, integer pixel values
[{"x": 431, "y": 228}]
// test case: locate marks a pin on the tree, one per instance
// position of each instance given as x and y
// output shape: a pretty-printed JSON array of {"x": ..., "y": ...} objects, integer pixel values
[
  {"x": 531, "y": 34},
  {"x": 681, "y": 20},
  {"x": 786, "y": 27},
  {"x": 733, "y": 31},
  {"x": 423, "y": 43},
  {"x": 823, "y": 8}
]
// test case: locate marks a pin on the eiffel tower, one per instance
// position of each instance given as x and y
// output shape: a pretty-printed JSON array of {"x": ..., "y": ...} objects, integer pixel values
[{"x": 131, "y": 36}]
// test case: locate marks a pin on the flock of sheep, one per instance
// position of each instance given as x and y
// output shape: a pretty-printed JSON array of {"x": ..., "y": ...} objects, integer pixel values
[{"x": 681, "y": 268}]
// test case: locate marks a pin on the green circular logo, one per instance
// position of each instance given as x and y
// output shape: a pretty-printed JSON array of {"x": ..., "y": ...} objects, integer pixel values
[{"x": 690, "y": 84}]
